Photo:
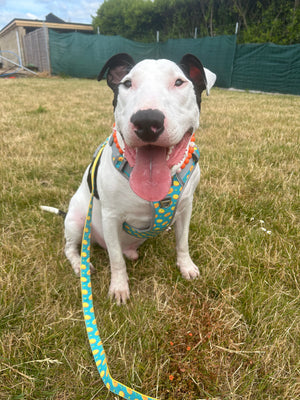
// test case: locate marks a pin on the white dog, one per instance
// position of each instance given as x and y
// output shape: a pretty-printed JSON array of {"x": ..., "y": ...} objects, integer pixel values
[{"x": 148, "y": 170}]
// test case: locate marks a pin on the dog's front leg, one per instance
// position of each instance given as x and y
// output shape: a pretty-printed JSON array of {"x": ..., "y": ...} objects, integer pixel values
[
  {"x": 187, "y": 268},
  {"x": 119, "y": 288}
]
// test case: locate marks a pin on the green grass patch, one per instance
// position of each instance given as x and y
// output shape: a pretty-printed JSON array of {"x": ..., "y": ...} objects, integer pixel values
[{"x": 232, "y": 334}]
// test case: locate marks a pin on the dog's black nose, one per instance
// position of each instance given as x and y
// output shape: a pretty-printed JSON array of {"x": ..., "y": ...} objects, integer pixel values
[{"x": 148, "y": 124}]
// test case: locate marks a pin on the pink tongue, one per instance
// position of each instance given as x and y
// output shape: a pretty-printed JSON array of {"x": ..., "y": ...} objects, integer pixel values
[{"x": 151, "y": 178}]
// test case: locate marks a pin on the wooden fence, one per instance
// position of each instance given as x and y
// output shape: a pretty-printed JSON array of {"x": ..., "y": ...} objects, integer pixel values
[{"x": 36, "y": 49}]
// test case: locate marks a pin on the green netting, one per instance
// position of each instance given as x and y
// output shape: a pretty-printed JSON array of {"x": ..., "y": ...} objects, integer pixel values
[
  {"x": 216, "y": 53},
  {"x": 267, "y": 67},
  {"x": 80, "y": 55}
]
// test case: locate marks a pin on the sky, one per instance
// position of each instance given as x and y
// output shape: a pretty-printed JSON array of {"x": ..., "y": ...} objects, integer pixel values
[{"x": 69, "y": 10}]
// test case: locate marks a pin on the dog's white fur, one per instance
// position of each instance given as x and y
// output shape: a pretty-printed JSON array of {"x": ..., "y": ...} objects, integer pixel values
[{"x": 152, "y": 88}]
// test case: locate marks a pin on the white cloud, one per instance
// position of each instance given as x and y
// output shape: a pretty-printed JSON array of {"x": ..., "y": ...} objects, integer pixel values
[
  {"x": 83, "y": 11},
  {"x": 31, "y": 16}
]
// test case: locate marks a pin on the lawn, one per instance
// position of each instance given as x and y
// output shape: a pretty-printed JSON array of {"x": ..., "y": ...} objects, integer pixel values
[{"x": 231, "y": 334}]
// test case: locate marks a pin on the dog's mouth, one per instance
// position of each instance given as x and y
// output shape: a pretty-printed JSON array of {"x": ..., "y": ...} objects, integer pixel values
[{"x": 151, "y": 177}]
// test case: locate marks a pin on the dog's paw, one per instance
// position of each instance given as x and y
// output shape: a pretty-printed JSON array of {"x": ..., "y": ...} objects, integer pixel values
[
  {"x": 119, "y": 290},
  {"x": 131, "y": 254},
  {"x": 77, "y": 268},
  {"x": 188, "y": 269}
]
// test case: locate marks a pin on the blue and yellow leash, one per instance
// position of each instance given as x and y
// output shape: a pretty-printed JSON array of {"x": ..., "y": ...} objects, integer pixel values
[{"x": 88, "y": 308}]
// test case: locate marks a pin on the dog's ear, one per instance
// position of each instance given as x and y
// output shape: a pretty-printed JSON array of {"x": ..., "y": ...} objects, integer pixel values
[
  {"x": 118, "y": 66},
  {"x": 210, "y": 79},
  {"x": 194, "y": 71}
]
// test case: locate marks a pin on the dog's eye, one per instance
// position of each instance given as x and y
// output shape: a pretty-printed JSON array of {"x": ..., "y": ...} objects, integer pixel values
[
  {"x": 127, "y": 83},
  {"x": 179, "y": 82}
]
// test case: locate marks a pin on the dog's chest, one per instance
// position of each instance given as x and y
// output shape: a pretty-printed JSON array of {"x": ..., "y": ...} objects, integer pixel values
[{"x": 140, "y": 218}]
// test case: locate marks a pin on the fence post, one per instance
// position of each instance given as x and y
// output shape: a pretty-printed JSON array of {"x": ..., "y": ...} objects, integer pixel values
[
  {"x": 236, "y": 28},
  {"x": 19, "y": 48},
  {"x": 47, "y": 49}
]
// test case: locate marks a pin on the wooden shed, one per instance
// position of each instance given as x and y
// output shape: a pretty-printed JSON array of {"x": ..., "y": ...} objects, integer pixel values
[{"x": 25, "y": 41}]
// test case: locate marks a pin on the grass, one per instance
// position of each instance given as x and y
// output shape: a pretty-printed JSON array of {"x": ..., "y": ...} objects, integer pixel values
[{"x": 232, "y": 334}]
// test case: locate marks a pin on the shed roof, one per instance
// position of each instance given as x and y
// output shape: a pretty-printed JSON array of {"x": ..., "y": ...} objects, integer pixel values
[{"x": 51, "y": 22}]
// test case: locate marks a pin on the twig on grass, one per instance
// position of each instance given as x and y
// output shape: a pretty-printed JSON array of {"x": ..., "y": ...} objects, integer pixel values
[{"x": 244, "y": 353}]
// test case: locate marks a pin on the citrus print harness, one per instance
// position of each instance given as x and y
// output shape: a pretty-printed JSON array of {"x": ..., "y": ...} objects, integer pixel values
[{"x": 163, "y": 212}]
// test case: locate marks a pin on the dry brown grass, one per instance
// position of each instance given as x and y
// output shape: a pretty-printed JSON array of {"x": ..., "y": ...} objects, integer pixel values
[{"x": 232, "y": 334}]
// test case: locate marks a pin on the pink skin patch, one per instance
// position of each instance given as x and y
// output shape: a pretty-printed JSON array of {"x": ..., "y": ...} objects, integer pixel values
[{"x": 151, "y": 177}]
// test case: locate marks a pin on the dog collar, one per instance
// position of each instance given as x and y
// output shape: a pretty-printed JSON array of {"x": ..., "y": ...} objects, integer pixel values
[{"x": 163, "y": 211}]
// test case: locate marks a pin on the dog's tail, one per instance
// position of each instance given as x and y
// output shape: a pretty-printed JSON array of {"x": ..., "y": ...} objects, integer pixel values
[{"x": 54, "y": 211}]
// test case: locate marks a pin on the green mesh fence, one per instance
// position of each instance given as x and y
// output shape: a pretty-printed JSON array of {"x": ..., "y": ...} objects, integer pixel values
[
  {"x": 80, "y": 55},
  {"x": 216, "y": 53},
  {"x": 265, "y": 67}
]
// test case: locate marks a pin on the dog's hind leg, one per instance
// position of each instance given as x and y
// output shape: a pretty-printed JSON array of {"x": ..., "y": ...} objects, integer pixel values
[
  {"x": 73, "y": 236},
  {"x": 131, "y": 254}
]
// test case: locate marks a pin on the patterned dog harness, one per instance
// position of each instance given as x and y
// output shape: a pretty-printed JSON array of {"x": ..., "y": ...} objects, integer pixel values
[{"x": 163, "y": 211}]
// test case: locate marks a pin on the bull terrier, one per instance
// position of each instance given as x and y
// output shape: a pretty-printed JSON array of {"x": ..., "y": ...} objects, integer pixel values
[{"x": 148, "y": 169}]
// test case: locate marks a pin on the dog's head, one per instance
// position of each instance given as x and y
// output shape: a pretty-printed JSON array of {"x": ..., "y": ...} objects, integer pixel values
[{"x": 157, "y": 108}]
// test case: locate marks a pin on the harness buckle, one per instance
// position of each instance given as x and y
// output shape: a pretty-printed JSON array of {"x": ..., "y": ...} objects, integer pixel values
[{"x": 165, "y": 203}]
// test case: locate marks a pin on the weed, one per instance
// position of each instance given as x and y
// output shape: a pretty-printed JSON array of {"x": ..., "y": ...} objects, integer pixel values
[{"x": 40, "y": 110}]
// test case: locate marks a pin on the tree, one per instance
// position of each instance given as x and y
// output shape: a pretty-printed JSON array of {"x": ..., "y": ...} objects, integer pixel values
[
  {"x": 243, "y": 7},
  {"x": 207, "y": 8},
  {"x": 276, "y": 21},
  {"x": 129, "y": 18}
]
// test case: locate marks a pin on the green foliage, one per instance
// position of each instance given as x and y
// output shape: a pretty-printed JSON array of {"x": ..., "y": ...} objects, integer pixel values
[
  {"x": 260, "y": 21},
  {"x": 41, "y": 109},
  {"x": 132, "y": 19},
  {"x": 279, "y": 23}
]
